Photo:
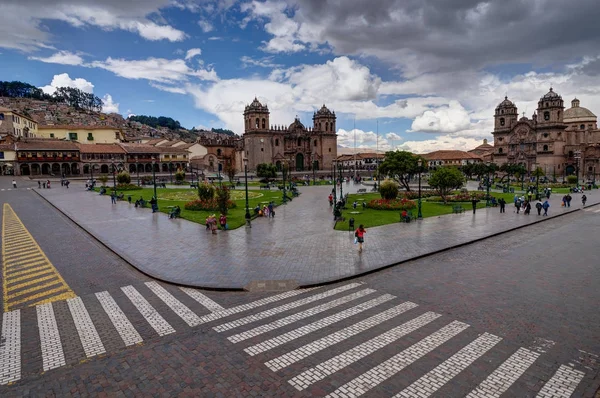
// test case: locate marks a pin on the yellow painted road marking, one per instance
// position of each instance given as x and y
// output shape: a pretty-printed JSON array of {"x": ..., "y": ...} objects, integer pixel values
[{"x": 25, "y": 266}]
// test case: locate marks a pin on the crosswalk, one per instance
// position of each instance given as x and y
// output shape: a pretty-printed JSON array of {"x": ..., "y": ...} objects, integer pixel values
[
  {"x": 349, "y": 340},
  {"x": 592, "y": 209}
]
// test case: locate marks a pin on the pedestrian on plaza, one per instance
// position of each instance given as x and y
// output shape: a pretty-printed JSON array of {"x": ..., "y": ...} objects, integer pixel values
[
  {"x": 474, "y": 202},
  {"x": 502, "y": 203},
  {"x": 153, "y": 204},
  {"x": 527, "y": 207},
  {"x": 569, "y": 198},
  {"x": 14, "y": 184},
  {"x": 223, "y": 221},
  {"x": 44, "y": 185},
  {"x": 354, "y": 204},
  {"x": 265, "y": 211},
  {"x": 583, "y": 199},
  {"x": 48, "y": 184},
  {"x": 213, "y": 224},
  {"x": 518, "y": 205},
  {"x": 564, "y": 201},
  {"x": 530, "y": 196},
  {"x": 538, "y": 207},
  {"x": 548, "y": 193},
  {"x": 546, "y": 206},
  {"x": 359, "y": 234},
  {"x": 39, "y": 184},
  {"x": 271, "y": 208},
  {"x": 67, "y": 183},
  {"x": 330, "y": 200},
  {"x": 113, "y": 197}
]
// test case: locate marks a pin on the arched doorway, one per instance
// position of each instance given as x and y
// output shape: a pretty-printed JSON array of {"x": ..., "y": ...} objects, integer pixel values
[
  {"x": 570, "y": 170},
  {"x": 316, "y": 165},
  {"x": 278, "y": 165},
  {"x": 74, "y": 169},
  {"x": 104, "y": 169},
  {"x": 45, "y": 168},
  {"x": 165, "y": 168},
  {"x": 65, "y": 169},
  {"x": 35, "y": 169},
  {"x": 132, "y": 168},
  {"x": 156, "y": 167},
  {"x": 148, "y": 168},
  {"x": 299, "y": 162},
  {"x": 55, "y": 168},
  {"x": 140, "y": 168},
  {"x": 86, "y": 169},
  {"x": 25, "y": 170}
]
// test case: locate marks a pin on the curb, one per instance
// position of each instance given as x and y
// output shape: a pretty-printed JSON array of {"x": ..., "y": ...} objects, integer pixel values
[
  {"x": 218, "y": 289},
  {"x": 323, "y": 283}
]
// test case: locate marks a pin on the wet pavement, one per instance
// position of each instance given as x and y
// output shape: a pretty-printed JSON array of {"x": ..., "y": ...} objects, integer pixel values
[{"x": 299, "y": 244}]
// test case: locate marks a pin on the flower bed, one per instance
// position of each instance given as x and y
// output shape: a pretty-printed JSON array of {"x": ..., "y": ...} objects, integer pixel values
[
  {"x": 212, "y": 204},
  {"x": 461, "y": 197},
  {"x": 415, "y": 194},
  {"x": 391, "y": 204},
  {"x": 128, "y": 187}
]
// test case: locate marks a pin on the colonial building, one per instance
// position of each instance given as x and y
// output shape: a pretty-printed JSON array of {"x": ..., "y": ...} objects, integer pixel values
[
  {"x": 296, "y": 145},
  {"x": 562, "y": 142},
  {"x": 450, "y": 158},
  {"x": 83, "y": 134},
  {"x": 363, "y": 161},
  {"x": 12, "y": 122}
]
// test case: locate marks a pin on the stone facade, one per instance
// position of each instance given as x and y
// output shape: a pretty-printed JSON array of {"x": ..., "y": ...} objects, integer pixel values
[
  {"x": 561, "y": 142},
  {"x": 297, "y": 146}
]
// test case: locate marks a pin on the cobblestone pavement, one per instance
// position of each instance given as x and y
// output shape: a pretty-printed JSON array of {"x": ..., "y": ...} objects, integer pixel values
[
  {"x": 288, "y": 247},
  {"x": 512, "y": 316}
]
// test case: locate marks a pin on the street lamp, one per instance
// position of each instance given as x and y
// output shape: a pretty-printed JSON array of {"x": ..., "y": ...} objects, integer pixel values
[
  {"x": 283, "y": 171},
  {"x": 137, "y": 168},
  {"x": 419, "y": 214},
  {"x": 334, "y": 187},
  {"x": 577, "y": 158},
  {"x": 170, "y": 174},
  {"x": 154, "y": 179},
  {"x": 537, "y": 183},
  {"x": 487, "y": 200},
  {"x": 248, "y": 223},
  {"x": 314, "y": 165},
  {"x": 342, "y": 182},
  {"x": 92, "y": 173},
  {"x": 114, "y": 171}
]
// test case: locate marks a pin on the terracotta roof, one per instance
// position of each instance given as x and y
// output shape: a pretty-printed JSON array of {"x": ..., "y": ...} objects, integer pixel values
[
  {"x": 140, "y": 148},
  {"x": 170, "y": 149},
  {"x": 46, "y": 145},
  {"x": 450, "y": 155},
  {"x": 154, "y": 141},
  {"x": 169, "y": 143},
  {"x": 7, "y": 147},
  {"x": 100, "y": 148},
  {"x": 3, "y": 109},
  {"x": 186, "y": 146},
  {"x": 75, "y": 127}
]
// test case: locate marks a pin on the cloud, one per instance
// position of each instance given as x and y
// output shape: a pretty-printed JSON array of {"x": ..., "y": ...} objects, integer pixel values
[
  {"x": 109, "y": 106},
  {"x": 21, "y": 24},
  {"x": 192, "y": 52},
  {"x": 61, "y": 57},
  {"x": 264, "y": 62},
  {"x": 206, "y": 26},
  {"x": 446, "y": 119},
  {"x": 169, "y": 89},
  {"x": 63, "y": 80},
  {"x": 367, "y": 139},
  {"x": 439, "y": 143},
  {"x": 159, "y": 70}
]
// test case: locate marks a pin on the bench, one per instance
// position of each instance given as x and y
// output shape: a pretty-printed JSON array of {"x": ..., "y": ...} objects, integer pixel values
[
  {"x": 456, "y": 209},
  {"x": 194, "y": 186},
  {"x": 265, "y": 187},
  {"x": 362, "y": 190}
]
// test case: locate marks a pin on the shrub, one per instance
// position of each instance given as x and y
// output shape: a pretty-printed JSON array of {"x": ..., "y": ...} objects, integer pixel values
[
  {"x": 391, "y": 204},
  {"x": 123, "y": 177},
  {"x": 128, "y": 187},
  {"x": 388, "y": 189},
  {"x": 103, "y": 179},
  {"x": 461, "y": 197},
  {"x": 415, "y": 194},
  {"x": 223, "y": 200},
  {"x": 572, "y": 179},
  {"x": 211, "y": 204},
  {"x": 180, "y": 175},
  {"x": 206, "y": 191}
]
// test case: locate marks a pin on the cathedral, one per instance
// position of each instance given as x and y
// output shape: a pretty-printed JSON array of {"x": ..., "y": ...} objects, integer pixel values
[
  {"x": 561, "y": 142},
  {"x": 299, "y": 147}
]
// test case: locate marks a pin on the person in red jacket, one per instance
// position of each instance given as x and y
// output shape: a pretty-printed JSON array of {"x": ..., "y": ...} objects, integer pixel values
[{"x": 360, "y": 236}]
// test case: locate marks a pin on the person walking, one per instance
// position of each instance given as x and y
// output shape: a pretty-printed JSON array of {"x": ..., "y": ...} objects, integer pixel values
[
  {"x": 359, "y": 234},
  {"x": 14, "y": 184},
  {"x": 502, "y": 203},
  {"x": 39, "y": 184},
  {"x": 569, "y": 198},
  {"x": 583, "y": 199},
  {"x": 223, "y": 221},
  {"x": 113, "y": 198},
  {"x": 546, "y": 206},
  {"x": 518, "y": 205},
  {"x": 67, "y": 183},
  {"x": 330, "y": 200},
  {"x": 271, "y": 210},
  {"x": 474, "y": 202},
  {"x": 527, "y": 207},
  {"x": 48, "y": 184},
  {"x": 213, "y": 224},
  {"x": 538, "y": 207}
]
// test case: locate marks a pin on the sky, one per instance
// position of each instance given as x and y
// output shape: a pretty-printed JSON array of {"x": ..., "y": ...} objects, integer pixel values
[{"x": 417, "y": 75}]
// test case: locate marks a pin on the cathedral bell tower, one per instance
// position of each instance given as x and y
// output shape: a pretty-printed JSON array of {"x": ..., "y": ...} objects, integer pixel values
[
  {"x": 324, "y": 120},
  {"x": 550, "y": 109},
  {"x": 506, "y": 115},
  {"x": 256, "y": 117}
]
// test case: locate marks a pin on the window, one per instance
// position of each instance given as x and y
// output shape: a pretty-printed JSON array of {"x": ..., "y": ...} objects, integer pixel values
[
  {"x": 73, "y": 136},
  {"x": 570, "y": 154},
  {"x": 499, "y": 150},
  {"x": 117, "y": 135},
  {"x": 166, "y": 156},
  {"x": 262, "y": 149},
  {"x": 326, "y": 126},
  {"x": 590, "y": 168},
  {"x": 502, "y": 121},
  {"x": 276, "y": 141},
  {"x": 500, "y": 139},
  {"x": 582, "y": 127},
  {"x": 1, "y": 116},
  {"x": 546, "y": 115},
  {"x": 90, "y": 137},
  {"x": 299, "y": 141},
  {"x": 315, "y": 143},
  {"x": 545, "y": 148},
  {"x": 329, "y": 149},
  {"x": 1, "y": 155},
  {"x": 545, "y": 135},
  {"x": 264, "y": 123},
  {"x": 218, "y": 152},
  {"x": 257, "y": 123}
]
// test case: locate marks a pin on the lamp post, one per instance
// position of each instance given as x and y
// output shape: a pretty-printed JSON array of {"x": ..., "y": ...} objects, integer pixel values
[
  {"x": 92, "y": 173},
  {"x": 170, "y": 173},
  {"x": 137, "y": 168},
  {"x": 283, "y": 171},
  {"x": 248, "y": 217},
  {"x": 314, "y": 165},
  {"x": 154, "y": 180},
  {"x": 487, "y": 199},
  {"x": 334, "y": 187},
  {"x": 537, "y": 184},
  {"x": 419, "y": 213},
  {"x": 577, "y": 158},
  {"x": 114, "y": 171},
  {"x": 342, "y": 182}
]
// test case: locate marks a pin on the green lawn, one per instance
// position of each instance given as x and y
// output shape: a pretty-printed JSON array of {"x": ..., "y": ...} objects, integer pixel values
[{"x": 179, "y": 197}]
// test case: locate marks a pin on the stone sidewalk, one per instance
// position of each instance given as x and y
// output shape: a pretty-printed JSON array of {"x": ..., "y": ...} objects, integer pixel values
[{"x": 292, "y": 246}]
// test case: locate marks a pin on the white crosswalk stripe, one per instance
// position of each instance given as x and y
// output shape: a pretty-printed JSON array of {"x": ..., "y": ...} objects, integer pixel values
[
  {"x": 320, "y": 324},
  {"x": 10, "y": 349},
  {"x": 52, "y": 351},
  {"x": 90, "y": 340},
  {"x": 202, "y": 299},
  {"x": 236, "y": 338},
  {"x": 340, "y": 361},
  {"x": 155, "y": 320},
  {"x": 502, "y": 378},
  {"x": 123, "y": 326},
  {"x": 177, "y": 306},
  {"x": 277, "y": 310},
  {"x": 562, "y": 384}
]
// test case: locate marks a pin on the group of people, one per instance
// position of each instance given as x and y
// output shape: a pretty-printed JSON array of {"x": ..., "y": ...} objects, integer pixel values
[
  {"x": 211, "y": 223},
  {"x": 44, "y": 185},
  {"x": 266, "y": 211},
  {"x": 566, "y": 200},
  {"x": 524, "y": 204}
]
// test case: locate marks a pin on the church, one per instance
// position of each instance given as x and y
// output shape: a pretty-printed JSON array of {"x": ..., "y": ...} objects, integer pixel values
[
  {"x": 561, "y": 142},
  {"x": 299, "y": 147}
]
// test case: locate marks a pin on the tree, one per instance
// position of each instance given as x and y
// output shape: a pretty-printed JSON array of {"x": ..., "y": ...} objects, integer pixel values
[
  {"x": 266, "y": 170},
  {"x": 388, "y": 189},
  {"x": 512, "y": 169},
  {"x": 152, "y": 121},
  {"x": 468, "y": 169},
  {"x": 223, "y": 197},
  {"x": 223, "y": 131},
  {"x": 446, "y": 180},
  {"x": 206, "y": 191},
  {"x": 103, "y": 179},
  {"x": 180, "y": 175},
  {"x": 230, "y": 170},
  {"x": 401, "y": 166},
  {"x": 123, "y": 178}
]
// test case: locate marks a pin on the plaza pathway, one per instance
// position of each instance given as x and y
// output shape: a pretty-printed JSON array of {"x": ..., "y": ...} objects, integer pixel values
[{"x": 299, "y": 244}]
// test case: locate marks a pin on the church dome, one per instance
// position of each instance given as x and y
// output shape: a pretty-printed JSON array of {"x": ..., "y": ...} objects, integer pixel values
[
  {"x": 324, "y": 111},
  {"x": 578, "y": 114},
  {"x": 256, "y": 106},
  {"x": 506, "y": 104},
  {"x": 551, "y": 95},
  {"x": 297, "y": 125}
]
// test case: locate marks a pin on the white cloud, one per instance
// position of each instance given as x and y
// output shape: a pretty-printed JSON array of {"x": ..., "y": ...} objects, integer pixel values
[
  {"x": 439, "y": 143},
  {"x": 63, "y": 80},
  {"x": 169, "y": 89},
  {"x": 367, "y": 140},
  {"x": 192, "y": 52},
  {"x": 61, "y": 57},
  {"x": 264, "y": 62},
  {"x": 205, "y": 25},
  {"x": 109, "y": 106},
  {"x": 446, "y": 119}
]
